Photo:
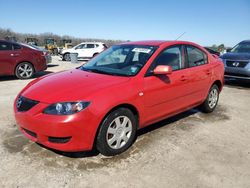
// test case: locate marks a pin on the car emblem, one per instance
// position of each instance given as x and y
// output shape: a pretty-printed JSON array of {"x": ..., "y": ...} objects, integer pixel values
[
  {"x": 19, "y": 102},
  {"x": 236, "y": 64}
]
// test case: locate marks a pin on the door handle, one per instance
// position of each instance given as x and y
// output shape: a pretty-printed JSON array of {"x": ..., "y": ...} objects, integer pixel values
[
  {"x": 183, "y": 78},
  {"x": 208, "y": 72}
]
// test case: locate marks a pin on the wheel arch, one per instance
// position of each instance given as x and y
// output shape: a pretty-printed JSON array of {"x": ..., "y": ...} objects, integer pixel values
[
  {"x": 218, "y": 83},
  {"x": 95, "y": 54},
  {"x": 124, "y": 105}
]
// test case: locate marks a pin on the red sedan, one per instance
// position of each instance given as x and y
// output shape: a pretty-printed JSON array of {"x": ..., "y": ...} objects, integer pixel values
[
  {"x": 127, "y": 87},
  {"x": 21, "y": 60}
]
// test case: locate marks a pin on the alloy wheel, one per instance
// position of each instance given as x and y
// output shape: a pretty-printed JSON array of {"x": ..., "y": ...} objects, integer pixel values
[
  {"x": 213, "y": 98},
  {"x": 119, "y": 132},
  {"x": 25, "y": 70}
]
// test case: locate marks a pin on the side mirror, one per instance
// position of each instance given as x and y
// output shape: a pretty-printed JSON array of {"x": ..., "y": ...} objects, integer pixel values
[
  {"x": 162, "y": 69},
  {"x": 229, "y": 49}
]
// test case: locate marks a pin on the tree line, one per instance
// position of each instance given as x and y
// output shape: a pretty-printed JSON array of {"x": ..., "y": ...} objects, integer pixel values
[{"x": 21, "y": 37}]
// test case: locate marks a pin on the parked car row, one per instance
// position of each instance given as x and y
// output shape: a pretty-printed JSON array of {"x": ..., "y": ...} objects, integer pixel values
[{"x": 24, "y": 60}]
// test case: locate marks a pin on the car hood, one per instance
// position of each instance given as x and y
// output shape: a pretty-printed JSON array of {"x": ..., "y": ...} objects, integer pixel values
[
  {"x": 236, "y": 56},
  {"x": 70, "y": 85}
]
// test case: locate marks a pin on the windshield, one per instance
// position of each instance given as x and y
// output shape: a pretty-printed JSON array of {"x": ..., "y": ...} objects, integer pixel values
[
  {"x": 121, "y": 60},
  {"x": 241, "y": 48}
]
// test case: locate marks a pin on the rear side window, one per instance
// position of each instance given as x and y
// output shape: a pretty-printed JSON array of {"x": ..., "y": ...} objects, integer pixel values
[
  {"x": 5, "y": 46},
  {"x": 196, "y": 57},
  {"x": 90, "y": 46},
  {"x": 16, "y": 47}
]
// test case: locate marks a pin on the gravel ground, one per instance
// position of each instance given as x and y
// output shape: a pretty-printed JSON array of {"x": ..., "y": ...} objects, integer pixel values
[{"x": 188, "y": 150}]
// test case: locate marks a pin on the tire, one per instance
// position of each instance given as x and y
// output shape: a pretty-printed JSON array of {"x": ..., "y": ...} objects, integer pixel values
[
  {"x": 66, "y": 57},
  {"x": 24, "y": 70},
  {"x": 117, "y": 132},
  {"x": 55, "y": 51},
  {"x": 211, "y": 101}
]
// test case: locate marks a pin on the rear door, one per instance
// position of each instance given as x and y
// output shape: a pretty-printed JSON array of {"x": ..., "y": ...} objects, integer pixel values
[
  {"x": 167, "y": 94},
  {"x": 90, "y": 50},
  {"x": 200, "y": 72},
  {"x": 7, "y": 62}
]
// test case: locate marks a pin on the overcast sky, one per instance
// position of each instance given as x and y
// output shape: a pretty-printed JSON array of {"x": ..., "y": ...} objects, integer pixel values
[{"x": 205, "y": 22}]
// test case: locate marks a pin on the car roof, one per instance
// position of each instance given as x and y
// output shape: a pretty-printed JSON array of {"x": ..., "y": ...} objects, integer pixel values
[
  {"x": 91, "y": 43},
  {"x": 245, "y": 41},
  {"x": 2, "y": 40},
  {"x": 12, "y": 42},
  {"x": 158, "y": 42}
]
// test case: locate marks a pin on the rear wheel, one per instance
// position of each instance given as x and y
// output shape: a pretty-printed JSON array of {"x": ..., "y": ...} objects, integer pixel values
[
  {"x": 24, "y": 70},
  {"x": 211, "y": 101},
  {"x": 117, "y": 132},
  {"x": 55, "y": 51},
  {"x": 66, "y": 57}
]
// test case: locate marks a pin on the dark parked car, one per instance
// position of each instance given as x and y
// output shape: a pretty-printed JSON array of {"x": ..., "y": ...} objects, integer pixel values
[
  {"x": 21, "y": 60},
  {"x": 237, "y": 61}
]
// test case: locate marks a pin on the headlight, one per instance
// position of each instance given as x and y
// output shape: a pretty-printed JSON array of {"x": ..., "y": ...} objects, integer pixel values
[{"x": 66, "y": 108}]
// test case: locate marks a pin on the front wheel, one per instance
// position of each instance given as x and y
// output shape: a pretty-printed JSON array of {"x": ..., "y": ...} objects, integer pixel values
[
  {"x": 117, "y": 132},
  {"x": 211, "y": 101}
]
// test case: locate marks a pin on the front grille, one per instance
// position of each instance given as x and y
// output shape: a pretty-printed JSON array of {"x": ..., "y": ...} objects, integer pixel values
[
  {"x": 24, "y": 104},
  {"x": 240, "y": 64},
  {"x": 60, "y": 140},
  {"x": 30, "y": 133}
]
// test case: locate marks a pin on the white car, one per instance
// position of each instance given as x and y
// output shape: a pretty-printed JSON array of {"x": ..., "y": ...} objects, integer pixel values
[{"x": 85, "y": 50}]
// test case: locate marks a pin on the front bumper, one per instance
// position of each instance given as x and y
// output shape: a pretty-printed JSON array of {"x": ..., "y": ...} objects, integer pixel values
[
  {"x": 237, "y": 73},
  {"x": 65, "y": 133}
]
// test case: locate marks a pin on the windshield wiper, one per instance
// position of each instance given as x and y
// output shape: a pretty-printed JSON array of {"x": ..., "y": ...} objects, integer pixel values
[{"x": 101, "y": 71}]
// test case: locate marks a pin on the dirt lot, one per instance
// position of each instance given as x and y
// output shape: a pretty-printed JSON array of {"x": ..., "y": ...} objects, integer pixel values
[{"x": 189, "y": 150}]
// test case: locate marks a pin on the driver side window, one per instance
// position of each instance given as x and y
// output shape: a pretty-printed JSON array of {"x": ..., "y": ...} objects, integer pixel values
[
  {"x": 171, "y": 56},
  {"x": 82, "y": 46}
]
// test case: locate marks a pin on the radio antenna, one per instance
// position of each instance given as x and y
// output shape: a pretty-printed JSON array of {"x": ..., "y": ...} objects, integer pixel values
[{"x": 181, "y": 35}]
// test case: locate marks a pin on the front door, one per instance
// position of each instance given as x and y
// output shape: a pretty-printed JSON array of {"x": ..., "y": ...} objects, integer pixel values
[{"x": 167, "y": 94}]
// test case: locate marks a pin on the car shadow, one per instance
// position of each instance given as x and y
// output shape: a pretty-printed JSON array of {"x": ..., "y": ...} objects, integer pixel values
[
  {"x": 240, "y": 84},
  {"x": 141, "y": 132},
  {"x": 37, "y": 75},
  {"x": 43, "y": 73},
  {"x": 53, "y": 65},
  {"x": 8, "y": 78},
  {"x": 166, "y": 122}
]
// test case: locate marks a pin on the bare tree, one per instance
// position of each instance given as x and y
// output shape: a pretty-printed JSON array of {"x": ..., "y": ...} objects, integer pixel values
[{"x": 21, "y": 37}]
